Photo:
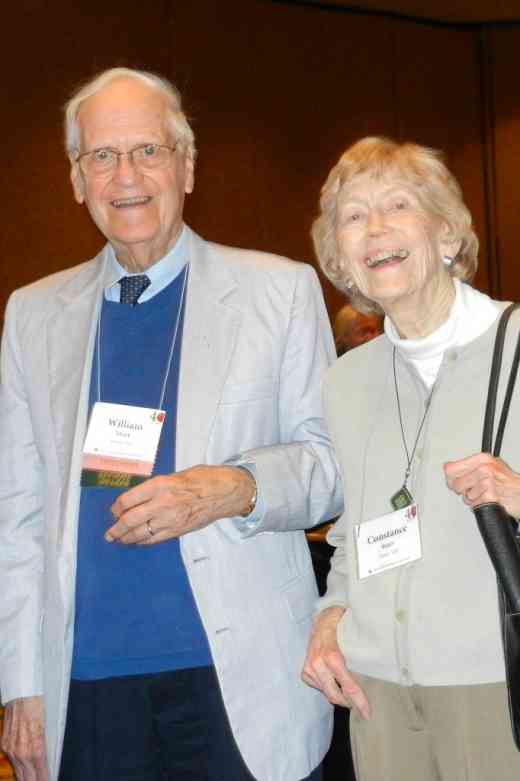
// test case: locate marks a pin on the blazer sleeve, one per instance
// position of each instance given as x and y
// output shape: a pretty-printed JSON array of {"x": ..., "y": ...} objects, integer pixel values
[
  {"x": 299, "y": 480},
  {"x": 21, "y": 526}
]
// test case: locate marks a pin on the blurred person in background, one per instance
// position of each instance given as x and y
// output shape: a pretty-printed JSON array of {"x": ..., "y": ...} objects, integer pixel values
[{"x": 352, "y": 328}]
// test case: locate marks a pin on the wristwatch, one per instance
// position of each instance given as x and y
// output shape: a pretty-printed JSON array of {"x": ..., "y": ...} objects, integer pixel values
[{"x": 252, "y": 502}]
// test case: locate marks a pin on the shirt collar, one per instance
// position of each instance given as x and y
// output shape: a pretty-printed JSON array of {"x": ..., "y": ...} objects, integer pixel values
[
  {"x": 160, "y": 274},
  {"x": 471, "y": 314}
]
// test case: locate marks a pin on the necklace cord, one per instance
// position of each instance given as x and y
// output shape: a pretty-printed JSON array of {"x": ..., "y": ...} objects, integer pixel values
[{"x": 409, "y": 458}]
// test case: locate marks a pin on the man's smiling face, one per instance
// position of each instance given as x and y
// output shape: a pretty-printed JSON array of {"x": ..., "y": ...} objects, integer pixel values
[{"x": 139, "y": 211}]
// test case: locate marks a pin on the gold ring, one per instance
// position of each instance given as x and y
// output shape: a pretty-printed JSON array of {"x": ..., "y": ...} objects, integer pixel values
[{"x": 150, "y": 530}]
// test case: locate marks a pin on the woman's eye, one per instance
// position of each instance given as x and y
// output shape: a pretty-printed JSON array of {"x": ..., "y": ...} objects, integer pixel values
[{"x": 398, "y": 205}]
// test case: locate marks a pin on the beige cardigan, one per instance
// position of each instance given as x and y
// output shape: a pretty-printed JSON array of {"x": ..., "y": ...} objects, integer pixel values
[{"x": 433, "y": 622}]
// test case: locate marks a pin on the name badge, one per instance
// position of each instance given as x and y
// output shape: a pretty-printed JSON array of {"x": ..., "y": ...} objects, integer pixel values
[
  {"x": 389, "y": 541},
  {"x": 121, "y": 444}
]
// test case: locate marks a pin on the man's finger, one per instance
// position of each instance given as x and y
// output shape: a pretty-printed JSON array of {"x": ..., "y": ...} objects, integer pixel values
[{"x": 135, "y": 496}]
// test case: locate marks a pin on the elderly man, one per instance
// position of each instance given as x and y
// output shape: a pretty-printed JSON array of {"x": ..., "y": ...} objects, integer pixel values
[{"x": 154, "y": 608}]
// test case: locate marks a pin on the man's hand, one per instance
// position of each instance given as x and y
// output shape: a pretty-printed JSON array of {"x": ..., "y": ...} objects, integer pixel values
[
  {"x": 482, "y": 478},
  {"x": 23, "y": 738},
  {"x": 325, "y": 667},
  {"x": 171, "y": 505}
]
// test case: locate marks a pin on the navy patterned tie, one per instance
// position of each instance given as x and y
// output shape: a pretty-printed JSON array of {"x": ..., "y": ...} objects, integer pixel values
[{"x": 132, "y": 287}]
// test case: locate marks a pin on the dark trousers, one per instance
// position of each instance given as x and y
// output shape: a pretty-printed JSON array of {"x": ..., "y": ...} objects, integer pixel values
[{"x": 161, "y": 727}]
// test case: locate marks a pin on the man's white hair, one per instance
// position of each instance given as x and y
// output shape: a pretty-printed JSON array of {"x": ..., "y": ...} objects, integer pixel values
[{"x": 183, "y": 134}]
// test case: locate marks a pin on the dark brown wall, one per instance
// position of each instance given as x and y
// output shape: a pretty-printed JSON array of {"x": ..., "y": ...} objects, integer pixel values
[{"x": 275, "y": 91}]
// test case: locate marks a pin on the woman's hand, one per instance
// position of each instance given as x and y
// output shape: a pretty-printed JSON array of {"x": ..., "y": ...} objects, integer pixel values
[
  {"x": 482, "y": 478},
  {"x": 325, "y": 667}
]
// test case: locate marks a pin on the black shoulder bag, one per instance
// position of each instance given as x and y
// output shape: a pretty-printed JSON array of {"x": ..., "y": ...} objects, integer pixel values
[{"x": 498, "y": 530}]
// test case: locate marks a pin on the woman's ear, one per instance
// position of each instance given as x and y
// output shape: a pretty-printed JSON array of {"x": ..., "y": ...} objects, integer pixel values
[{"x": 449, "y": 246}]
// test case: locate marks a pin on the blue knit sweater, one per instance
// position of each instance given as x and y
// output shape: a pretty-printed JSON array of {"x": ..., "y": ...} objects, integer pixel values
[{"x": 135, "y": 611}]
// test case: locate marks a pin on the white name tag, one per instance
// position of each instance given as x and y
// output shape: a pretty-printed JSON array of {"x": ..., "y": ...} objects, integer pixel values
[
  {"x": 388, "y": 541},
  {"x": 122, "y": 439}
]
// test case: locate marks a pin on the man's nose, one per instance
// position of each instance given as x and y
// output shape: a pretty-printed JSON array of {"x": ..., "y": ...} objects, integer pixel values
[{"x": 126, "y": 171}]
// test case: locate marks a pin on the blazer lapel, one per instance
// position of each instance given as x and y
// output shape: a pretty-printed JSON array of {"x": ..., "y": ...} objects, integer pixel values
[
  {"x": 210, "y": 334},
  {"x": 209, "y": 338},
  {"x": 70, "y": 344}
]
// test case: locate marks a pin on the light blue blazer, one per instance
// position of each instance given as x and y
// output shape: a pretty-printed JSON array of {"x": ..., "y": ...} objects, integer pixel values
[{"x": 256, "y": 343}]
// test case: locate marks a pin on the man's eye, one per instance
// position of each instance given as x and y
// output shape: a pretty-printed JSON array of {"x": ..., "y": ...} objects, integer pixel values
[
  {"x": 102, "y": 155},
  {"x": 149, "y": 150}
]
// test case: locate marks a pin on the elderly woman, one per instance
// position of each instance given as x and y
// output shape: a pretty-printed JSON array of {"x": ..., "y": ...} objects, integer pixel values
[{"x": 408, "y": 633}]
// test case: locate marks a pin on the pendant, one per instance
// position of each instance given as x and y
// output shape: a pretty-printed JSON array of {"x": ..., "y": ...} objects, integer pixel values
[{"x": 401, "y": 499}]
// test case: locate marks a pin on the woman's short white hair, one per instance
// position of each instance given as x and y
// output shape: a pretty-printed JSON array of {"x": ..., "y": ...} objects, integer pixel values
[
  {"x": 181, "y": 129},
  {"x": 437, "y": 189}
]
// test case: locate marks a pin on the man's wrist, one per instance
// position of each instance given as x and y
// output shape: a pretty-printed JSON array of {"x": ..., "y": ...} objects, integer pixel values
[{"x": 254, "y": 493}]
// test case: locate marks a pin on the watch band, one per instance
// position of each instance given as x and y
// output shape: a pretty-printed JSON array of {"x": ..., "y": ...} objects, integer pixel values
[{"x": 252, "y": 502}]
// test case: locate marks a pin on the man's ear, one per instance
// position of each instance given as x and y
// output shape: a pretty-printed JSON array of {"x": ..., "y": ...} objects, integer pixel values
[
  {"x": 78, "y": 184},
  {"x": 189, "y": 174}
]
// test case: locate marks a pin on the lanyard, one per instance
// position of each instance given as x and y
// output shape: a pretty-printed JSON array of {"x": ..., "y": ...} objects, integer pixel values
[
  {"x": 171, "y": 350},
  {"x": 403, "y": 496}
]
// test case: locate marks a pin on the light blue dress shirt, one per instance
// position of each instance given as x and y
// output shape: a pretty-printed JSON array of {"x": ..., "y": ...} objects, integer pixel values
[{"x": 160, "y": 274}]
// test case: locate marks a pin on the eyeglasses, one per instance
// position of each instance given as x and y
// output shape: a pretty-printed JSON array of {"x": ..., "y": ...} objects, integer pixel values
[{"x": 104, "y": 161}]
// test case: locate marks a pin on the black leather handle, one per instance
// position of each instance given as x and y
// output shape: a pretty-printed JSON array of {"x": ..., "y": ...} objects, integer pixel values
[
  {"x": 497, "y": 528},
  {"x": 494, "y": 377},
  {"x": 498, "y": 531},
  {"x": 499, "y": 538}
]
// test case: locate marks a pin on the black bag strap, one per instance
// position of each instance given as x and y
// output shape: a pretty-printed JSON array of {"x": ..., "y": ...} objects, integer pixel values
[
  {"x": 499, "y": 531},
  {"x": 496, "y": 365},
  {"x": 497, "y": 528}
]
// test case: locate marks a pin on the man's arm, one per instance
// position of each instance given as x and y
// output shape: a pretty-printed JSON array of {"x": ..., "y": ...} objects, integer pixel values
[
  {"x": 23, "y": 738},
  {"x": 21, "y": 526},
  {"x": 21, "y": 565},
  {"x": 297, "y": 479},
  {"x": 171, "y": 505}
]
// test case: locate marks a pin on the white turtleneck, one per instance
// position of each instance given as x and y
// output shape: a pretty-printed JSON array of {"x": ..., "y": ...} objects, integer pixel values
[{"x": 472, "y": 313}]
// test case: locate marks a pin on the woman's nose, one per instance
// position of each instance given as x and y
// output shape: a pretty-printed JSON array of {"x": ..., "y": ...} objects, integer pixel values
[{"x": 376, "y": 222}]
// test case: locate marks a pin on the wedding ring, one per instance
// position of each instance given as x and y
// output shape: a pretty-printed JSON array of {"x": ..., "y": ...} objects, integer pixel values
[{"x": 150, "y": 530}]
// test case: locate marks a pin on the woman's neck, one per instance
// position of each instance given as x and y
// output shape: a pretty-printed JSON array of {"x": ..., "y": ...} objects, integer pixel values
[{"x": 420, "y": 315}]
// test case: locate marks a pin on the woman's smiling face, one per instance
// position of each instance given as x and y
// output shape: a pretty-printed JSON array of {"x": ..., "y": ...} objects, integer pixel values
[{"x": 391, "y": 247}]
